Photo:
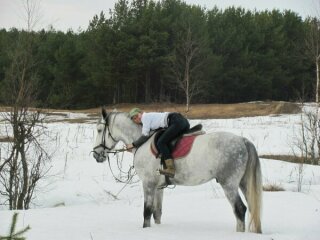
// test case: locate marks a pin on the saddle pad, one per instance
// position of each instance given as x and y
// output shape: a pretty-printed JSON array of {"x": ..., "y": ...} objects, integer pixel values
[{"x": 182, "y": 148}]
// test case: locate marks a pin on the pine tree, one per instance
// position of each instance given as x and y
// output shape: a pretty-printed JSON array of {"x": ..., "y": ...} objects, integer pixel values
[{"x": 18, "y": 235}]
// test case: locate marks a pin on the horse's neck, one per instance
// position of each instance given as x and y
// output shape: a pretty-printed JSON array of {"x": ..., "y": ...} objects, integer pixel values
[{"x": 127, "y": 130}]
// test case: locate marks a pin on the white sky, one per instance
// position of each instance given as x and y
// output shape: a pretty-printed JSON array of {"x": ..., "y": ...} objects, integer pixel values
[{"x": 65, "y": 14}]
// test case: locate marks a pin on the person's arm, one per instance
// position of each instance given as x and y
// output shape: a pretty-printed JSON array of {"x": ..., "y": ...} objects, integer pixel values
[
  {"x": 145, "y": 135},
  {"x": 141, "y": 140}
]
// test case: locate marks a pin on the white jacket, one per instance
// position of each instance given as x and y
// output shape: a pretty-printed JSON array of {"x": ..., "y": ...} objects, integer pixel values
[{"x": 152, "y": 121}]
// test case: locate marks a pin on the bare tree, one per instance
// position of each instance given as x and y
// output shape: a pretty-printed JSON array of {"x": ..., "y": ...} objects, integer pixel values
[
  {"x": 310, "y": 122},
  {"x": 187, "y": 63},
  {"x": 313, "y": 49},
  {"x": 23, "y": 166},
  {"x": 31, "y": 13}
]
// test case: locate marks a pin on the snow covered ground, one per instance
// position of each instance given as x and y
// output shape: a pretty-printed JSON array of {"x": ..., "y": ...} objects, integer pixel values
[{"x": 81, "y": 200}]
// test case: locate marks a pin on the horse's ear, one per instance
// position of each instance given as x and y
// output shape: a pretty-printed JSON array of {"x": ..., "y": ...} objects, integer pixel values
[{"x": 104, "y": 113}]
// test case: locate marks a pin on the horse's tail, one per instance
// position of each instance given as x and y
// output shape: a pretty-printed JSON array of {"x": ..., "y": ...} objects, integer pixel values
[{"x": 252, "y": 187}]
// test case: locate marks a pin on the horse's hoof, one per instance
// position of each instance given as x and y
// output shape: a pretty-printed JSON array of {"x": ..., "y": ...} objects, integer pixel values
[
  {"x": 145, "y": 225},
  {"x": 158, "y": 221}
]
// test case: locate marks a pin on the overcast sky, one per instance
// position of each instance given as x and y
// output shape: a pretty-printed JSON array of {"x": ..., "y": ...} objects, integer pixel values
[{"x": 75, "y": 14}]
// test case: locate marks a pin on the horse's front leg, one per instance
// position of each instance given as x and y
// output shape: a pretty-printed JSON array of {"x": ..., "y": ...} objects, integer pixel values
[
  {"x": 157, "y": 206},
  {"x": 149, "y": 192}
]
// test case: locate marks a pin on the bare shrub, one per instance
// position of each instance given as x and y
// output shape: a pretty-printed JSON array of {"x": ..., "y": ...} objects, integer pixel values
[
  {"x": 272, "y": 187},
  {"x": 23, "y": 163},
  {"x": 306, "y": 143}
]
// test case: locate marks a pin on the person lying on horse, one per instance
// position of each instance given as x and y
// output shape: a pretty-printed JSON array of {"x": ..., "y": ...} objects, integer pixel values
[{"x": 174, "y": 124}]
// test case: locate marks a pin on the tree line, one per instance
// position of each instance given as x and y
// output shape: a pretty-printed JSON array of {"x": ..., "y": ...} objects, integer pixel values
[{"x": 167, "y": 51}]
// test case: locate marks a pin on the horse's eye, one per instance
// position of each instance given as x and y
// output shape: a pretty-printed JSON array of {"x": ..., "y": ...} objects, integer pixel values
[{"x": 99, "y": 130}]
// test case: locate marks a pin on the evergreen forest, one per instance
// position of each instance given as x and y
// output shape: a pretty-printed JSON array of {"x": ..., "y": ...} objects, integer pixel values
[{"x": 144, "y": 51}]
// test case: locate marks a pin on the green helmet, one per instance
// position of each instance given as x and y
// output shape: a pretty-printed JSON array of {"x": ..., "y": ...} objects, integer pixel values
[{"x": 134, "y": 111}]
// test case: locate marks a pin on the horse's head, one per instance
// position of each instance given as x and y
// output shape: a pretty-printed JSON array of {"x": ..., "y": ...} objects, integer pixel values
[{"x": 105, "y": 141}]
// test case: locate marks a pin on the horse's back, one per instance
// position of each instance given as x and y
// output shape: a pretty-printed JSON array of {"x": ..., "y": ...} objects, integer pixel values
[
  {"x": 213, "y": 155},
  {"x": 218, "y": 143}
]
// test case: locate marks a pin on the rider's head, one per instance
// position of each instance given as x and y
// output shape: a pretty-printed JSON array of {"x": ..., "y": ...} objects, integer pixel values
[{"x": 135, "y": 114}]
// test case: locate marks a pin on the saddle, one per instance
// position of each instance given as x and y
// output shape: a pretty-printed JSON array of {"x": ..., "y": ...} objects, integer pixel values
[{"x": 181, "y": 145}]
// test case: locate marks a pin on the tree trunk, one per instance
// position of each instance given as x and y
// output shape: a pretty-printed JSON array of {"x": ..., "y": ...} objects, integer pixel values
[
  {"x": 317, "y": 88},
  {"x": 25, "y": 181},
  {"x": 161, "y": 95},
  {"x": 187, "y": 82},
  {"x": 187, "y": 97},
  {"x": 147, "y": 88},
  {"x": 12, "y": 182}
]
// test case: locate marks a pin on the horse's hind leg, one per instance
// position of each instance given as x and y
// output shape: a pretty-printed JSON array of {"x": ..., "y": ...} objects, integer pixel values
[
  {"x": 149, "y": 192},
  {"x": 239, "y": 209},
  {"x": 157, "y": 206}
]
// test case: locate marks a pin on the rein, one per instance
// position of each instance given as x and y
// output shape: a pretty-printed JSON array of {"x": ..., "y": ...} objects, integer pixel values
[
  {"x": 128, "y": 175},
  {"x": 118, "y": 150}
]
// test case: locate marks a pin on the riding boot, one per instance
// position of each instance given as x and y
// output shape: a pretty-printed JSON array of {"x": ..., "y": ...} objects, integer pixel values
[{"x": 169, "y": 170}]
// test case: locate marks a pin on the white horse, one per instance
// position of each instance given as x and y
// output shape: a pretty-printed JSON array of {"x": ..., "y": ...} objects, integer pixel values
[{"x": 232, "y": 160}]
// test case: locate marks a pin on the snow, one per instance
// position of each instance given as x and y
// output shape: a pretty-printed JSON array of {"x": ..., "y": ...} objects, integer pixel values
[{"x": 81, "y": 200}]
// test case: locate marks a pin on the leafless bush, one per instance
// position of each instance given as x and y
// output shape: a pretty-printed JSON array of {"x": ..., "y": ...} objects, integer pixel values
[
  {"x": 272, "y": 187},
  {"x": 306, "y": 143},
  {"x": 24, "y": 162}
]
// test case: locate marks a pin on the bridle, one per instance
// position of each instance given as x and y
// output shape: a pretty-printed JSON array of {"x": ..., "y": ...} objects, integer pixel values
[
  {"x": 103, "y": 142},
  {"x": 105, "y": 152}
]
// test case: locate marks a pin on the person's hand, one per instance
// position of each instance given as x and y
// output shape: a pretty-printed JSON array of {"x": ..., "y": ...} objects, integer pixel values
[{"x": 129, "y": 147}]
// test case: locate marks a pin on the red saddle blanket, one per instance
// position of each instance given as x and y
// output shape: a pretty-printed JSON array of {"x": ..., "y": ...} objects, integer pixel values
[{"x": 183, "y": 147}]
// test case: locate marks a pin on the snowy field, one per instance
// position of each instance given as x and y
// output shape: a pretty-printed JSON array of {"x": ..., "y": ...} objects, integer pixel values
[{"x": 80, "y": 199}]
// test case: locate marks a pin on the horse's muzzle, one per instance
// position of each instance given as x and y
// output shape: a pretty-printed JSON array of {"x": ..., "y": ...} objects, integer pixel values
[{"x": 99, "y": 157}]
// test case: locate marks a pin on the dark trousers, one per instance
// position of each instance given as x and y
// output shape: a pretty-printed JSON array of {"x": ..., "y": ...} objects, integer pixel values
[{"x": 177, "y": 125}]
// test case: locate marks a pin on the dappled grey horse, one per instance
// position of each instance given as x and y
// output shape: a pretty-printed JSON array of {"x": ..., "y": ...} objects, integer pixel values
[{"x": 232, "y": 160}]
